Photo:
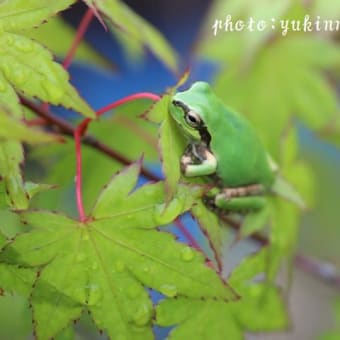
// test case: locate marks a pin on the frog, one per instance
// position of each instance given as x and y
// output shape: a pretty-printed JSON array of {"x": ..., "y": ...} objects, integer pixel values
[{"x": 223, "y": 149}]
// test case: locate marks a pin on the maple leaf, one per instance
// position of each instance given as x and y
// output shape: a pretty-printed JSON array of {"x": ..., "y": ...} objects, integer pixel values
[
  {"x": 259, "y": 308},
  {"x": 25, "y": 65},
  {"x": 105, "y": 263},
  {"x": 171, "y": 140}
]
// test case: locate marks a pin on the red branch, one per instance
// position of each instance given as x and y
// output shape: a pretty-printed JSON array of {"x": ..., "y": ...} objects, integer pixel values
[
  {"x": 80, "y": 131},
  {"x": 82, "y": 28},
  {"x": 191, "y": 241},
  {"x": 79, "y": 196},
  {"x": 82, "y": 127}
]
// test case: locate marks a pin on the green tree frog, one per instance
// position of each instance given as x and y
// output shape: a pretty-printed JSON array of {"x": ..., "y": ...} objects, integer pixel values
[{"x": 222, "y": 148}]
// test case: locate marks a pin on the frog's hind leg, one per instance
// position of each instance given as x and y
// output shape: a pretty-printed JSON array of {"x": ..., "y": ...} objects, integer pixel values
[{"x": 241, "y": 199}]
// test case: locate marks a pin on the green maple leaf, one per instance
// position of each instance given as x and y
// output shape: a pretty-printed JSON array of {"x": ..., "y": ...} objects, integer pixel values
[
  {"x": 171, "y": 140},
  {"x": 11, "y": 157},
  {"x": 12, "y": 128},
  {"x": 259, "y": 308},
  {"x": 12, "y": 132},
  {"x": 172, "y": 145},
  {"x": 25, "y": 65},
  {"x": 104, "y": 263},
  {"x": 85, "y": 52},
  {"x": 211, "y": 225},
  {"x": 13, "y": 278},
  {"x": 17, "y": 15}
]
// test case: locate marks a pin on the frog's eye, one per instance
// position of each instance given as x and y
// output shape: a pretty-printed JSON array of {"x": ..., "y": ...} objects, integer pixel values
[{"x": 193, "y": 119}]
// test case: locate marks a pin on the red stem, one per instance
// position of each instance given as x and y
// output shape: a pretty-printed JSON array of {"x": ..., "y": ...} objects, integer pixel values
[
  {"x": 139, "y": 95},
  {"x": 79, "y": 196},
  {"x": 191, "y": 241},
  {"x": 82, "y": 28},
  {"x": 80, "y": 131},
  {"x": 36, "y": 122}
]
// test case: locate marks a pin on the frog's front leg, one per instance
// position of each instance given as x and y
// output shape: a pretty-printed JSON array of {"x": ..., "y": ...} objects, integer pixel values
[
  {"x": 241, "y": 199},
  {"x": 198, "y": 160}
]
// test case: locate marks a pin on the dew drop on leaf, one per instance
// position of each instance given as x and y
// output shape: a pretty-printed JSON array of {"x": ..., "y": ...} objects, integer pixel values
[
  {"x": 95, "y": 295},
  {"x": 19, "y": 76},
  {"x": 120, "y": 266},
  {"x": 187, "y": 254},
  {"x": 149, "y": 269},
  {"x": 142, "y": 315},
  {"x": 94, "y": 266},
  {"x": 80, "y": 257},
  {"x": 54, "y": 93},
  {"x": 168, "y": 290},
  {"x": 25, "y": 46}
]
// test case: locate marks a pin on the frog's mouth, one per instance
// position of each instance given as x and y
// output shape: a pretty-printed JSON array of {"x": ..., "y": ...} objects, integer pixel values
[{"x": 205, "y": 135}]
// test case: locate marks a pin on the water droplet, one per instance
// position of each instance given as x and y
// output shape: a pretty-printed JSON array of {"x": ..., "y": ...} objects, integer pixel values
[
  {"x": 24, "y": 45},
  {"x": 146, "y": 269},
  {"x": 187, "y": 254},
  {"x": 86, "y": 236},
  {"x": 95, "y": 295},
  {"x": 120, "y": 266},
  {"x": 80, "y": 257},
  {"x": 142, "y": 316},
  {"x": 19, "y": 76},
  {"x": 53, "y": 92},
  {"x": 168, "y": 290},
  {"x": 94, "y": 266},
  {"x": 133, "y": 291}
]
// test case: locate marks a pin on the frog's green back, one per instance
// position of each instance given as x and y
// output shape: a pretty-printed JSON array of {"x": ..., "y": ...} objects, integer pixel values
[{"x": 241, "y": 157}]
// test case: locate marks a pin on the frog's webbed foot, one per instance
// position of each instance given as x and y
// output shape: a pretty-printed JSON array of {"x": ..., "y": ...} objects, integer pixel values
[
  {"x": 198, "y": 160},
  {"x": 241, "y": 199}
]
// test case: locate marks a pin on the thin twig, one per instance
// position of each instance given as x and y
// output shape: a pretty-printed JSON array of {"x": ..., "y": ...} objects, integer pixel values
[
  {"x": 82, "y": 28},
  {"x": 186, "y": 233},
  {"x": 79, "y": 195},
  {"x": 68, "y": 129}
]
